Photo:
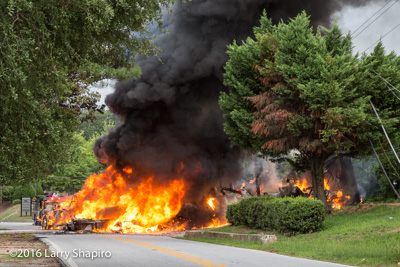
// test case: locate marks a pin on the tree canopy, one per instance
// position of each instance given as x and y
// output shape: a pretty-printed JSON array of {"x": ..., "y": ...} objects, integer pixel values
[
  {"x": 99, "y": 125},
  {"x": 293, "y": 89},
  {"x": 49, "y": 53}
]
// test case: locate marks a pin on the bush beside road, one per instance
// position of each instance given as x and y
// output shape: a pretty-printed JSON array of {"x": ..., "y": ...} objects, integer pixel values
[{"x": 285, "y": 215}]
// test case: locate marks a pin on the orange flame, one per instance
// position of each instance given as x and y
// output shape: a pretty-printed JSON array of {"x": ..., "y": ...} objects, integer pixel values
[
  {"x": 338, "y": 199},
  {"x": 210, "y": 203},
  {"x": 252, "y": 181},
  {"x": 335, "y": 197},
  {"x": 302, "y": 184},
  {"x": 139, "y": 207}
]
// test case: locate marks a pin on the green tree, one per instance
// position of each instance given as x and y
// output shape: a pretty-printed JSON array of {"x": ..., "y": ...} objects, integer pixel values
[
  {"x": 293, "y": 90},
  {"x": 98, "y": 125},
  {"x": 79, "y": 159},
  {"x": 23, "y": 191},
  {"x": 60, "y": 184},
  {"x": 49, "y": 53},
  {"x": 79, "y": 162}
]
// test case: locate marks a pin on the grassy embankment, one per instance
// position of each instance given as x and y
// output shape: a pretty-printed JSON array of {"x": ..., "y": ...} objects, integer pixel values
[
  {"x": 13, "y": 214},
  {"x": 366, "y": 235}
]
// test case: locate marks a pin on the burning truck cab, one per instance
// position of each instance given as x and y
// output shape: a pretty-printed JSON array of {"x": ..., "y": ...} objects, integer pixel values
[
  {"x": 46, "y": 212},
  {"x": 50, "y": 211}
]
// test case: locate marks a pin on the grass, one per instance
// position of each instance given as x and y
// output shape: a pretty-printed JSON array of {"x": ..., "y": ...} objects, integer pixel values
[
  {"x": 13, "y": 214},
  {"x": 367, "y": 238},
  {"x": 19, "y": 236}
]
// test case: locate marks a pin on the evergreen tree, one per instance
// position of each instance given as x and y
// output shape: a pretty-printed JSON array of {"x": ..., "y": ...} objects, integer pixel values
[{"x": 295, "y": 90}]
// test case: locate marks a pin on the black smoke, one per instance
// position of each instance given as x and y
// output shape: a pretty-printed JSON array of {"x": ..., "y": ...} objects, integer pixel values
[{"x": 173, "y": 125}]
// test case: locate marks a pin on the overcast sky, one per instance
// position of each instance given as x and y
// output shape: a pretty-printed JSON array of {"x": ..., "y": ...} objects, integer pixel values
[{"x": 350, "y": 19}]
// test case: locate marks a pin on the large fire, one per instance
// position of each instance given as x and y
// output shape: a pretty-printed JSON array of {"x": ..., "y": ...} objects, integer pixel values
[
  {"x": 148, "y": 205},
  {"x": 142, "y": 207}
]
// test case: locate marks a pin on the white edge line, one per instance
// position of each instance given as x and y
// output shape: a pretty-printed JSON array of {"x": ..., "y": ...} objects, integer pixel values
[
  {"x": 9, "y": 216},
  {"x": 53, "y": 247}
]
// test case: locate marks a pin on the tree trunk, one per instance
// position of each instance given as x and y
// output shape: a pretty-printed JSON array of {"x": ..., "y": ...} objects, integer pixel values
[
  {"x": 258, "y": 169},
  {"x": 348, "y": 180},
  {"x": 317, "y": 173},
  {"x": 258, "y": 186}
]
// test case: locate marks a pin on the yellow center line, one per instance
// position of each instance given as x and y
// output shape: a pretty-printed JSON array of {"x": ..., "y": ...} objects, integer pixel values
[{"x": 168, "y": 251}]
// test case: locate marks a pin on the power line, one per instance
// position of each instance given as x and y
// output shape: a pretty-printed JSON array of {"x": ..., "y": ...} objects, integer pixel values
[
  {"x": 375, "y": 19},
  {"x": 382, "y": 37},
  {"x": 387, "y": 85},
  {"x": 371, "y": 17},
  {"x": 390, "y": 89},
  {"x": 383, "y": 169},
  {"x": 383, "y": 79},
  {"x": 388, "y": 159},
  {"x": 383, "y": 128}
]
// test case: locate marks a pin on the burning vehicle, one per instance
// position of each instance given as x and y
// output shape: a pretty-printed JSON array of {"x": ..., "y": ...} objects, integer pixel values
[
  {"x": 46, "y": 211},
  {"x": 50, "y": 212},
  {"x": 144, "y": 208}
]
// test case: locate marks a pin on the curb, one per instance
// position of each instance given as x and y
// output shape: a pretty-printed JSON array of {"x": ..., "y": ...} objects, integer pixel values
[
  {"x": 53, "y": 247},
  {"x": 13, "y": 232},
  {"x": 240, "y": 237}
]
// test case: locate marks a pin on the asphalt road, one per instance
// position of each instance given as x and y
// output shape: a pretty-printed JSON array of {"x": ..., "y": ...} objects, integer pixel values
[
  {"x": 154, "y": 250},
  {"x": 19, "y": 226}
]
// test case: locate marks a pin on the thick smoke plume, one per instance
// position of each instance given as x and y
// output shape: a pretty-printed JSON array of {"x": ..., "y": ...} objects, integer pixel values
[{"x": 172, "y": 122}]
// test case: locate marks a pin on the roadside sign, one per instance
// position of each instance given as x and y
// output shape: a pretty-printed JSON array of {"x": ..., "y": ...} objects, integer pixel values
[{"x": 26, "y": 205}]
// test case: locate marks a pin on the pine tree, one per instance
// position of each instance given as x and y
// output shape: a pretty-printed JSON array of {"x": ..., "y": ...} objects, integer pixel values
[{"x": 295, "y": 90}]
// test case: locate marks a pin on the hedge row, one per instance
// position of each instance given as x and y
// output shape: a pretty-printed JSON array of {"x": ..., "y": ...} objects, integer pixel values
[{"x": 285, "y": 215}]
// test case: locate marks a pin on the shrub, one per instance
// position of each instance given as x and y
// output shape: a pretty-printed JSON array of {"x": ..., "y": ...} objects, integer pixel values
[
  {"x": 8, "y": 193},
  {"x": 233, "y": 214},
  {"x": 16, "y": 201},
  {"x": 286, "y": 215},
  {"x": 239, "y": 213},
  {"x": 23, "y": 191}
]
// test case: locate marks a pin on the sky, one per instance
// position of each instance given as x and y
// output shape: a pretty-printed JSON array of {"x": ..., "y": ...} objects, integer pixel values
[
  {"x": 104, "y": 88},
  {"x": 349, "y": 19}
]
